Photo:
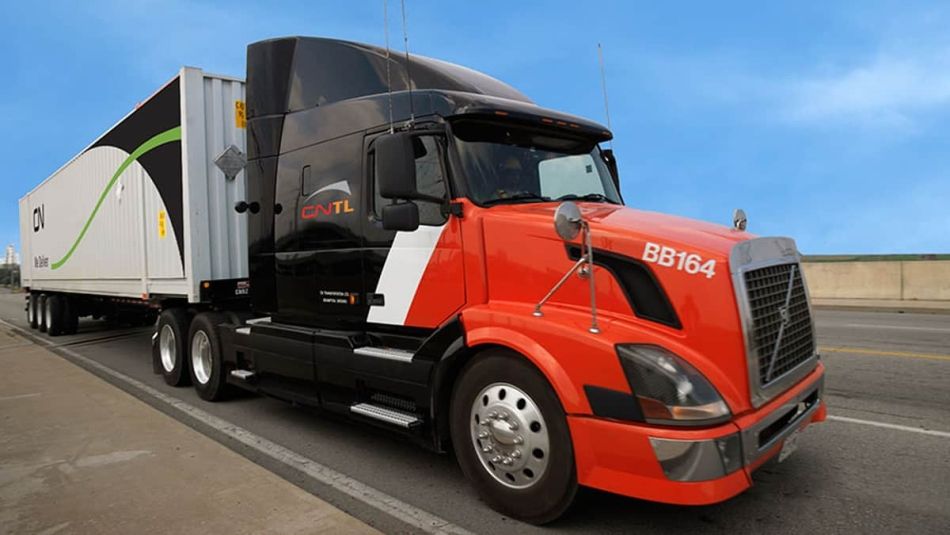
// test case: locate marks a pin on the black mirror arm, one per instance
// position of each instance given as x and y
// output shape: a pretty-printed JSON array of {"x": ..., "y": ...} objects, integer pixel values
[
  {"x": 419, "y": 197},
  {"x": 452, "y": 208}
]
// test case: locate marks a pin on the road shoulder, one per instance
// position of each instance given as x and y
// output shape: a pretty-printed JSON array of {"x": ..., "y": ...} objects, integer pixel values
[{"x": 80, "y": 455}]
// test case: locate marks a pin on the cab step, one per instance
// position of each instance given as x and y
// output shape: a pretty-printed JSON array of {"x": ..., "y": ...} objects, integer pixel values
[
  {"x": 388, "y": 353},
  {"x": 385, "y": 414},
  {"x": 244, "y": 375}
]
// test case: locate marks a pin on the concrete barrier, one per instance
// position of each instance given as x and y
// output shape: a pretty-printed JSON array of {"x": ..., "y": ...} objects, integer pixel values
[
  {"x": 905, "y": 280},
  {"x": 926, "y": 280}
]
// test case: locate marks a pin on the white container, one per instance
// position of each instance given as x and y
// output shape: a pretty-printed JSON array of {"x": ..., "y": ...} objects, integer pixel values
[{"x": 144, "y": 211}]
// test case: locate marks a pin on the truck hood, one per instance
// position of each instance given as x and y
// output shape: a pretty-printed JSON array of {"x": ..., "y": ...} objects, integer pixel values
[
  {"x": 616, "y": 226},
  {"x": 525, "y": 258}
]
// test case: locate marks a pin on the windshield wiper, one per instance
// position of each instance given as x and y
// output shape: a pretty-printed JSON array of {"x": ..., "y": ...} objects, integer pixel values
[
  {"x": 590, "y": 197},
  {"x": 517, "y": 197}
]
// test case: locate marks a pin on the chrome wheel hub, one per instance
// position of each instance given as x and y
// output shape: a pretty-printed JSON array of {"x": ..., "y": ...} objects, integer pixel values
[
  {"x": 201, "y": 357},
  {"x": 510, "y": 435},
  {"x": 167, "y": 348}
]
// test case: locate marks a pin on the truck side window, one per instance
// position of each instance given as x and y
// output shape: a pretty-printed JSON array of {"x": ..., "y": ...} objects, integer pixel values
[{"x": 430, "y": 179}]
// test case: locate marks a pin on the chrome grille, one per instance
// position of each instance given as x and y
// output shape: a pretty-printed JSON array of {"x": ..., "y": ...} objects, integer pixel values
[{"x": 780, "y": 317}]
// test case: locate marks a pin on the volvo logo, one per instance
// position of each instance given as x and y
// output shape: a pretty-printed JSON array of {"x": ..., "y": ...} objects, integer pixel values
[{"x": 784, "y": 314}]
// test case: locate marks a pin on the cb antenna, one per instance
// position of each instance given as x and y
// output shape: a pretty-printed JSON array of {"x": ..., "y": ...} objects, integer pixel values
[
  {"x": 603, "y": 85},
  {"x": 389, "y": 81},
  {"x": 405, "y": 40}
]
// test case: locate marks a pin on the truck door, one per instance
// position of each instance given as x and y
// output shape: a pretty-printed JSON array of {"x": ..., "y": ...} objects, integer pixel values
[
  {"x": 413, "y": 279},
  {"x": 317, "y": 235}
]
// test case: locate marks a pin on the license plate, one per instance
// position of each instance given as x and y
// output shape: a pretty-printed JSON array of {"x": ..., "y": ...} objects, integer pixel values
[{"x": 790, "y": 445}]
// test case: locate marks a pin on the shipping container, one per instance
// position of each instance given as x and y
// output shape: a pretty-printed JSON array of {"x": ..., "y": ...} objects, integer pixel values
[{"x": 145, "y": 211}]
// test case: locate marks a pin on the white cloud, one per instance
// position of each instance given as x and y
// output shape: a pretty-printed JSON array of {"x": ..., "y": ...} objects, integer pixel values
[
  {"x": 887, "y": 91},
  {"x": 897, "y": 83}
]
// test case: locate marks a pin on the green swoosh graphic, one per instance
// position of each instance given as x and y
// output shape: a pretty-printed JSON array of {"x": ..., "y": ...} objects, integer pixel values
[{"x": 165, "y": 137}]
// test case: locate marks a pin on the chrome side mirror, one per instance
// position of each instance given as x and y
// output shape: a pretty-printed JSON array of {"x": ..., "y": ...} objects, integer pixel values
[
  {"x": 568, "y": 223},
  {"x": 568, "y": 220}
]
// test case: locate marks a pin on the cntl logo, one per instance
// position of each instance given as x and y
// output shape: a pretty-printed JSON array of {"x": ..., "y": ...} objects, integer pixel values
[
  {"x": 39, "y": 218},
  {"x": 313, "y": 211}
]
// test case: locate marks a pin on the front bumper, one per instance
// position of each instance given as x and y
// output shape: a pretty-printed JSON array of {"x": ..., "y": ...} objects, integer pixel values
[{"x": 692, "y": 466}]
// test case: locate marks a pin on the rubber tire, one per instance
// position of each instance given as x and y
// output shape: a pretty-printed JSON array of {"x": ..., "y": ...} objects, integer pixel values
[
  {"x": 70, "y": 315},
  {"x": 54, "y": 304},
  {"x": 554, "y": 493},
  {"x": 33, "y": 309},
  {"x": 178, "y": 320},
  {"x": 217, "y": 387},
  {"x": 41, "y": 321}
]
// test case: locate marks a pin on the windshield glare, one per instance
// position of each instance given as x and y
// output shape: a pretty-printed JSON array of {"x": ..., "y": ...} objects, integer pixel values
[{"x": 505, "y": 163}]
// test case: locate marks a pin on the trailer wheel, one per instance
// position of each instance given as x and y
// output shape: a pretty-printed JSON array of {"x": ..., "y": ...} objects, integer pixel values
[
  {"x": 43, "y": 300},
  {"x": 54, "y": 315},
  {"x": 207, "y": 366},
  {"x": 70, "y": 315},
  {"x": 32, "y": 311},
  {"x": 169, "y": 350},
  {"x": 511, "y": 438}
]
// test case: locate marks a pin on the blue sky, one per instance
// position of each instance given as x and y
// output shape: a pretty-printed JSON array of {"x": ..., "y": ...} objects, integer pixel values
[{"x": 826, "y": 121}]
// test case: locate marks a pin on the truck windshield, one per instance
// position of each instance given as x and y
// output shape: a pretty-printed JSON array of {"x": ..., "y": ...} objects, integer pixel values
[{"x": 506, "y": 163}]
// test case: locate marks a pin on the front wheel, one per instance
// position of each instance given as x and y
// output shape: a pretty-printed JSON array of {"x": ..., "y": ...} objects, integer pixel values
[{"x": 511, "y": 438}]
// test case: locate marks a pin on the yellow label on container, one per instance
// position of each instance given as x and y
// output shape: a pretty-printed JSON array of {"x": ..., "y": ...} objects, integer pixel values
[
  {"x": 240, "y": 114},
  {"x": 161, "y": 224}
]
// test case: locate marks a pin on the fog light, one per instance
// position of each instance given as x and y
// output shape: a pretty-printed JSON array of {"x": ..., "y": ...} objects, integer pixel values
[{"x": 698, "y": 460}]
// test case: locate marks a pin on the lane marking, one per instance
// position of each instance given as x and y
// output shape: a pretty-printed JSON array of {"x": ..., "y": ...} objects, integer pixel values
[
  {"x": 897, "y": 327},
  {"x": 885, "y": 425},
  {"x": 20, "y": 396},
  {"x": 878, "y": 353},
  {"x": 411, "y": 515}
]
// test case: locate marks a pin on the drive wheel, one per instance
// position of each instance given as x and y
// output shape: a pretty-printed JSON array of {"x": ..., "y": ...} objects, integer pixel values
[
  {"x": 511, "y": 438},
  {"x": 170, "y": 346},
  {"x": 207, "y": 366}
]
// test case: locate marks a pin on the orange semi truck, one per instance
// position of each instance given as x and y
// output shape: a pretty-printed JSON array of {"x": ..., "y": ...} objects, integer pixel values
[{"x": 430, "y": 252}]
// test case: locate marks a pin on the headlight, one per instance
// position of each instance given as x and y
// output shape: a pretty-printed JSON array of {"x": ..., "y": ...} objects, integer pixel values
[{"x": 669, "y": 389}]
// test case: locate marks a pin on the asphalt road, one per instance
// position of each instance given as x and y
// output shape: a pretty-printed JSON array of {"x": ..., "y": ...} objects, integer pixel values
[{"x": 873, "y": 467}]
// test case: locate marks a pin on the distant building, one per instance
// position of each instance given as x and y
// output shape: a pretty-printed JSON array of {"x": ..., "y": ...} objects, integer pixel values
[{"x": 11, "y": 257}]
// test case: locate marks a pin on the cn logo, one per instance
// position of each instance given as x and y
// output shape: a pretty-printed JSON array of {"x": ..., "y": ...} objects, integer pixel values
[
  {"x": 39, "y": 218},
  {"x": 313, "y": 211}
]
